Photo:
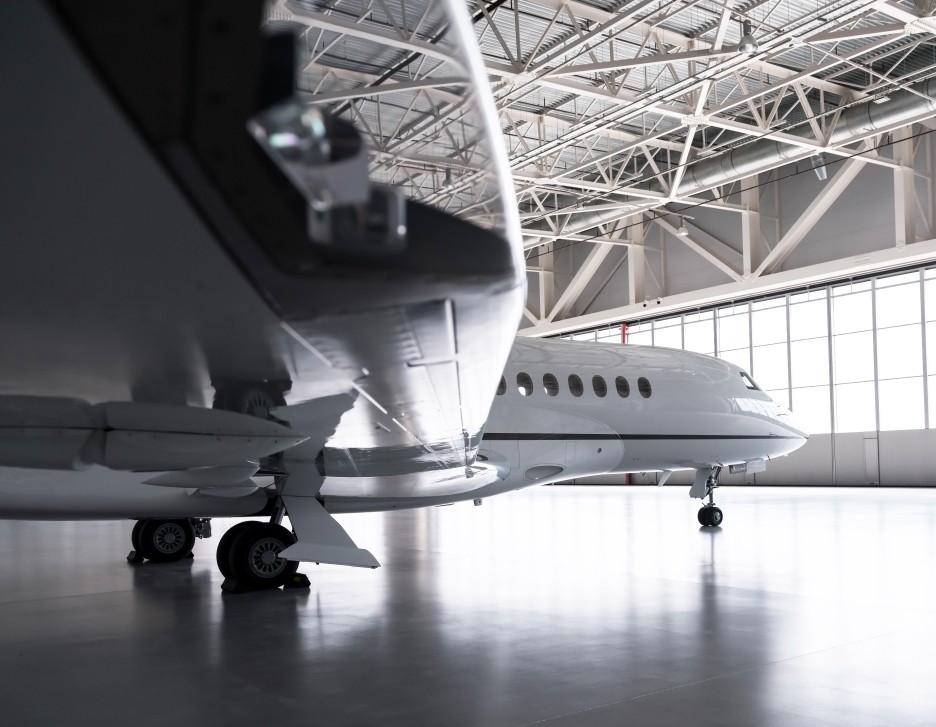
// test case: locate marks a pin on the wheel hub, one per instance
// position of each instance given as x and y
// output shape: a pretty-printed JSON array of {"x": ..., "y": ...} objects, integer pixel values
[
  {"x": 264, "y": 558},
  {"x": 168, "y": 538}
]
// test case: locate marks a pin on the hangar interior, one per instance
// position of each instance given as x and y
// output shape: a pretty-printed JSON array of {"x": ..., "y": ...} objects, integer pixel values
[
  {"x": 752, "y": 180},
  {"x": 738, "y": 179}
]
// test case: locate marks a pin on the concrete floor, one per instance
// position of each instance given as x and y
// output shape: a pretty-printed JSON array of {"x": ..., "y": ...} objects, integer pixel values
[{"x": 556, "y": 606}]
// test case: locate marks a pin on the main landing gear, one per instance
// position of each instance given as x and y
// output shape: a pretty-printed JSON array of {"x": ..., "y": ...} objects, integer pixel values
[
  {"x": 248, "y": 553},
  {"x": 165, "y": 541},
  {"x": 710, "y": 515},
  {"x": 248, "y": 557}
]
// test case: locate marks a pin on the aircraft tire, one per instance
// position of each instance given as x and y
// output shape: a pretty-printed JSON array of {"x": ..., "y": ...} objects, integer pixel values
[
  {"x": 253, "y": 556},
  {"x": 703, "y": 516},
  {"x": 165, "y": 541},
  {"x": 715, "y": 517},
  {"x": 135, "y": 535},
  {"x": 223, "y": 555}
]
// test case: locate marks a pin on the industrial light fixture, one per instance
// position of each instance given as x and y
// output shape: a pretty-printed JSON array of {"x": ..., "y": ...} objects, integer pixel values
[
  {"x": 683, "y": 231},
  {"x": 882, "y": 98},
  {"x": 747, "y": 44},
  {"x": 448, "y": 179},
  {"x": 819, "y": 167}
]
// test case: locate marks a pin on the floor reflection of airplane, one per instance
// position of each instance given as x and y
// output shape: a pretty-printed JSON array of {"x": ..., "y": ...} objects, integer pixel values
[{"x": 189, "y": 281}]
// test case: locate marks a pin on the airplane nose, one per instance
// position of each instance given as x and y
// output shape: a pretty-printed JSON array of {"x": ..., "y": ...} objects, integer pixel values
[{"x": 791, "y": 423}]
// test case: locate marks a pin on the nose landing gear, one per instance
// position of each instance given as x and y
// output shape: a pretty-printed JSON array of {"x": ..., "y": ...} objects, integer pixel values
[{"x": 710, "y": 515}]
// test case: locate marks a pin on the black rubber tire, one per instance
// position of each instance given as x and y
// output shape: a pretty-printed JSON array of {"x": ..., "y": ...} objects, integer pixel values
[
  {"x": 166, "y": 541},
  {"x": 247, "y": 556},
  {"x": 135, "y": 535},
  {"x": 703, "y": 516},
  {"x": 715, "y": 517},
  {"x": 223, "y": 554}
]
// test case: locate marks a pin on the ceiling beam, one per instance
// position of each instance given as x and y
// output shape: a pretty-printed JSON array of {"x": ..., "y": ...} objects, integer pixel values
[
  {"x": 370, "y": 91},
  {"x": 811, "y": 275}
]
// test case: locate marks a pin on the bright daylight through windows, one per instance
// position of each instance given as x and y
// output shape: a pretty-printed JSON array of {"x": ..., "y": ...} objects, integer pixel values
[{"x": 849, "y": 357}]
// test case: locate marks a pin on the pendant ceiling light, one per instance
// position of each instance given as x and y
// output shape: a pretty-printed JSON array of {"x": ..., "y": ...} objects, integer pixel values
[{"x": 747, "y": 44}]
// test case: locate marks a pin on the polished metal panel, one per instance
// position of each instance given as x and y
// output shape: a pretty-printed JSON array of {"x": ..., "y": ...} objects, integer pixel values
[{"x": 554, "y": 606}]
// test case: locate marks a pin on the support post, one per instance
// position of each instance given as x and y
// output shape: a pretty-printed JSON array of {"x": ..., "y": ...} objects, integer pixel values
[
  {"x": 636, "y": 266},
  {"x": 752, "y": 236},
  {"x": 547, "y": 283},
  {"x": 904, "y": 189}
]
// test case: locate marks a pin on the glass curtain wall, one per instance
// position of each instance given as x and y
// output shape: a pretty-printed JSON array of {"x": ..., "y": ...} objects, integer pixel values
[{"x": 850, "y": 357}]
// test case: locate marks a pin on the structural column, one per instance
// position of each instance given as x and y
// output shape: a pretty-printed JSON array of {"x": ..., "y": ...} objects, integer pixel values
[
  {"x": 904, "y": 189},
  {"x": 636, "y": 268},
  {"x": 752, "y": 236}
]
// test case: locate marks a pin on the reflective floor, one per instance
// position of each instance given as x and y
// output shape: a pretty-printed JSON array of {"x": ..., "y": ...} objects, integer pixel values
[{"x": 556, "y": 606}]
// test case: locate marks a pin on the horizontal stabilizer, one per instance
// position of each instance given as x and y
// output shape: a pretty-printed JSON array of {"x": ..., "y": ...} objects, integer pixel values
[
  {"x": 233, "y": 476},
  {"x": 321, "y": 537}
]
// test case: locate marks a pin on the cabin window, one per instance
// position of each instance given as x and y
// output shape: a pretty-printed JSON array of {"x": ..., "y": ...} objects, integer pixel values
[
  {"x": 524, "y": 383},
  {"x": 550, "y": 384},
  {"x": 749, "y": 382},
  {"x": 623, "y": 387},
  {"x": 599, "y": 385},
  {"x": 643, "y": 386},
  {"x": 575, "y": 385},
  {"x": 502, "y": 387}
]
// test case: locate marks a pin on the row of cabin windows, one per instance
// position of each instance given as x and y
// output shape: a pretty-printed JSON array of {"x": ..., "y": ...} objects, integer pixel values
[{"x": 576, "y": 387}]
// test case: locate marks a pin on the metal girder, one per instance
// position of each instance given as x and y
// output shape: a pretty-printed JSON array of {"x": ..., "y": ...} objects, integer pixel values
[
  {"x": 607, "y": 111},
  {"x": 580, "y": 281},
  {"x": 368, "y": 31},
  {"x": 820, "y": 273},
  {"x": 812, "y": 214},
  {"x": 714, "y": 259},
  {"x": 385, "y": 88},
  {"x": 651, "y": 60}
]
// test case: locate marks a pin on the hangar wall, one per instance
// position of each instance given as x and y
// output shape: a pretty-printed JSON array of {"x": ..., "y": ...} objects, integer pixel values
[
  {"x": 860, "y": 219},
  {"x": 855, "y": 361}
]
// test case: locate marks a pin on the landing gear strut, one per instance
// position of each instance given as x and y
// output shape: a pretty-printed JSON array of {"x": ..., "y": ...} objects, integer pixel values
[{"x": 710, "y": 515}]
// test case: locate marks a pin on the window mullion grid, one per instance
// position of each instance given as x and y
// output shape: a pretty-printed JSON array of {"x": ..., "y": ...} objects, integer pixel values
[
  {"x": 789, "y": 354},
  {"x": 750, "y": 334},
  {"x": 926, "y": 413},
  {"x": 832, "y": 423},
  {"x": 874, "y": 356}
]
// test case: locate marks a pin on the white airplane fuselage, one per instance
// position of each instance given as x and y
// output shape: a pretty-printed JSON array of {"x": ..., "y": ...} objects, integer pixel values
[
  {"x": 629, "y": 409},
  {"x": 564, "y": 410}
]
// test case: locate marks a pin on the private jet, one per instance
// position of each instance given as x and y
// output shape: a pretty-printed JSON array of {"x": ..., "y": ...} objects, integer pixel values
[
  {"x": 210, "y": 310},
  {"x": 562, "y": 410}
]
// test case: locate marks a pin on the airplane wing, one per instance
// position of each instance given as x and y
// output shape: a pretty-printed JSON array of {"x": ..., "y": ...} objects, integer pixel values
[{"x": 182, "y": 242}]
